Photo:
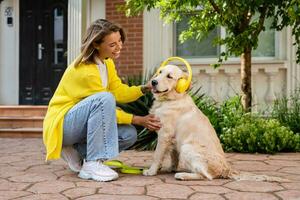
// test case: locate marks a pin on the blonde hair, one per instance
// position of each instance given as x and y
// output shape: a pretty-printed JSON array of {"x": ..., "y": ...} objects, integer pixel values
[{"x": 95, "y": 34}]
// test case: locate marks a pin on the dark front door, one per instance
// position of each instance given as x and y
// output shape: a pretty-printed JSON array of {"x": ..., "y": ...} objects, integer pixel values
[{"x": 43, "y": 44}]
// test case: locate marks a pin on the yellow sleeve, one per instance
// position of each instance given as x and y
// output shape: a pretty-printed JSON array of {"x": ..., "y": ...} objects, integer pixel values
[
  {"x": 123, "y": 117},
  {"x": 122, "y": 92}
]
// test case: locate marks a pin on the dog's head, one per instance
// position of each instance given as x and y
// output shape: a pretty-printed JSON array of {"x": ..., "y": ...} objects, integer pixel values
[{"x": 165, "y": 81}]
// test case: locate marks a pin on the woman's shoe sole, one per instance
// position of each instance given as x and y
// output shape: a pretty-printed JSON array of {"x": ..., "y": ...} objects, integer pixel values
[{"x": 87, "y": 176}]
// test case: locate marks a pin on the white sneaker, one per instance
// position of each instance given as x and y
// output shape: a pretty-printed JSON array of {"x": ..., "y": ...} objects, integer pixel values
[
  {"x": 97, "y": 171},
  {"x": 72, "y": 157}
]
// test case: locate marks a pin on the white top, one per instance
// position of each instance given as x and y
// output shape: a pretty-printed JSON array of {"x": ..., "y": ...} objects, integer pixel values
[{"x": 103, "y": 71}]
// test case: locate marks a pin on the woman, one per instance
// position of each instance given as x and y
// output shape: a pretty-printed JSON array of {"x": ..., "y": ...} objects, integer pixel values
[{"x": 82, "y": 121}]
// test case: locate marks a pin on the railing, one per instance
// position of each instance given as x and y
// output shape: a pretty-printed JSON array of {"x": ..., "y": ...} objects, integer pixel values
[{"x": 268, "y": 81}]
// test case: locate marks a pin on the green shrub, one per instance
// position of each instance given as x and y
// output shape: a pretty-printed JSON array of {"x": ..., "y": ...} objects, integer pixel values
[
  {"x": 255, "y": 134},
  {"x": 287, "y": 111},
  {"x": 209, "y": 108}
]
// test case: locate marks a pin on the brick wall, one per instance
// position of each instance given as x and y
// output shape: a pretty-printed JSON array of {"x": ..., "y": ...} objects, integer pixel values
[{"x": 131, "y": 60}]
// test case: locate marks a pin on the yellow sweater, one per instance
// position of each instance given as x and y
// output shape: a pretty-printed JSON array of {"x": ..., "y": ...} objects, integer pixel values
[{"x": 76, "y": 84}]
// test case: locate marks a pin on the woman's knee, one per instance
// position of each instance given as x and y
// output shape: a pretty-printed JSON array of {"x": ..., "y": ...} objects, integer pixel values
[
  {"x": 105, "y": 98},
  {"x": 104, "y": 101}
]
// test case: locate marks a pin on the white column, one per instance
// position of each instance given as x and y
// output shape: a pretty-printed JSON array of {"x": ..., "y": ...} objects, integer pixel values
[
  {"x": 157, "y": 40},
  {"x": 270, "y": 95},
  {"x": 74, "y": 29},
  {"x": 212, "y": 73},
  {"x": 95, "y": 9},
  {"x": 293, "y": 69},
  {"x": 232, "y": 73},
  {"x": 254, "y": 73}
]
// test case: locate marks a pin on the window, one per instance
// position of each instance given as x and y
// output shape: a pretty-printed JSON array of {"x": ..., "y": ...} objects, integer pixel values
[
  {"x": 205, "y": 49},
  {"x": 193, "y": 48}
]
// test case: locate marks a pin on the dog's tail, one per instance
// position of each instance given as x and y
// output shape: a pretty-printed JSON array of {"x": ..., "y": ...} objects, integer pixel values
[{"x": 240, "y": 176}]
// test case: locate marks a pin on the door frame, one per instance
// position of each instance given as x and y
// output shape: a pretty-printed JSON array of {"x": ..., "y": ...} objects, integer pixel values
[{"x": 30, "y": 70}]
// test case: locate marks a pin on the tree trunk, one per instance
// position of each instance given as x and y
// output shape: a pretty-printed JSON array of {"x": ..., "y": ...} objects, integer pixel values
[{"x": 246, "y": 79}]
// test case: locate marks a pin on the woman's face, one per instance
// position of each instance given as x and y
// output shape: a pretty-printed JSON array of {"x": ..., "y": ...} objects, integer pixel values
[{"x": 111, "y": 46}]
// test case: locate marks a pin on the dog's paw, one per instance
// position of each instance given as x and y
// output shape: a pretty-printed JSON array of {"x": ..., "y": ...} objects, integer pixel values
[
  {"x": 180, "y": 176},
  {"x": 149, "y": 172}
]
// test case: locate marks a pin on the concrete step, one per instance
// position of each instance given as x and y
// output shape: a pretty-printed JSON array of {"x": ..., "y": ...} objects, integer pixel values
[
  {"x": 21, "y": 132},
  {"x": 21, "y": 122},
  {"x": 23, "y": 111}
]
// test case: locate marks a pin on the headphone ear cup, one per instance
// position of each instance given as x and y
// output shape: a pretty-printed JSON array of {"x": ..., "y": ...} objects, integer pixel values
[{"x": 182, "y": 85}]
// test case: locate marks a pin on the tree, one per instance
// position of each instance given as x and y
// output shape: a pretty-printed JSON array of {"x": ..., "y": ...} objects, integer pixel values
[{"x": 243, "y": 21}]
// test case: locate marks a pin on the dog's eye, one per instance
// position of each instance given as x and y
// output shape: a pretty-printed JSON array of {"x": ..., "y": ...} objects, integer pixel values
[{"x": 169, "y": 76}]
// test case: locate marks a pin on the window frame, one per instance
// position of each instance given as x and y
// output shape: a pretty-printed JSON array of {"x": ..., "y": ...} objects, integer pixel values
[{"x": 278, "y": 40}]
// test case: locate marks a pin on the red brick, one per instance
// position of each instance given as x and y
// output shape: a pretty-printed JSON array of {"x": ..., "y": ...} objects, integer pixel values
[{"x": 131, "y": 60}]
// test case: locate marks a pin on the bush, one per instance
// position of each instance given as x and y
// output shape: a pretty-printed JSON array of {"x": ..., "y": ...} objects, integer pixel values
[
  {"x": 287, "y": 111},
  {"x": 254, "y": 134},
  {"x": 231, "y": 112}
]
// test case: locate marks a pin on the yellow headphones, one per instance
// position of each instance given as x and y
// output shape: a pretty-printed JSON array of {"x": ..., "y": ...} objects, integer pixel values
[{"x": 182, "y": 83}]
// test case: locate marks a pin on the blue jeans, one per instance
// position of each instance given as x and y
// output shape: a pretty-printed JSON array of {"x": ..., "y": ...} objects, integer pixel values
[{"x": 91, "y": 127}]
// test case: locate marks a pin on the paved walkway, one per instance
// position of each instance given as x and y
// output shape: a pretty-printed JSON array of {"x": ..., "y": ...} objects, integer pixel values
[{"x": 25, "y": 176}]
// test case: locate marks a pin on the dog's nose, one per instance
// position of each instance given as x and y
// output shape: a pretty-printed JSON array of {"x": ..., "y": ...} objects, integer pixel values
[{"x": 154, "y": 82}]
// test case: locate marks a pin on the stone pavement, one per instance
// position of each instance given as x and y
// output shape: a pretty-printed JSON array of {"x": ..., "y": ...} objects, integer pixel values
[{"x": 25, "y": 176}]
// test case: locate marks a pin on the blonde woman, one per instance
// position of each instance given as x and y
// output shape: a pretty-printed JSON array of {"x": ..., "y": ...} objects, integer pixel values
[{"x": 82, "y": 121}]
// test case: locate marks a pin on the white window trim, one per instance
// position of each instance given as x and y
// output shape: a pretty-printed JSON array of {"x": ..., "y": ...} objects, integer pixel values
[{"x": 279, "y": 55}]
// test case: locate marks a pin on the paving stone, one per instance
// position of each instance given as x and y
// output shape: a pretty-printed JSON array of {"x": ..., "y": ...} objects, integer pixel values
[
  {"x": 13, "y": 194},
  {"x": 250, "y": 196},
  {"x": 33, "y": 177},
  {"x": 204, "y": 196},
  {"x": 283, "y": 163},
  {"x": 43, "y": 168},
  {"x": 113, "y": 189},
  {"x": 253, "y": 186},
  {"x": 43, "y": 197},
  {"x": 93, "y": 184},
  {"x": 8, "y": 171},
  {"x": 50, "y": 187},
  {"x": 195, "y": 182},
  {"x": 247, "y": 157},
  {"x": 28, "y": 163},
  {"x": 79, "y": 192},
  {"x": 137, "y": 180},
  {"x": 7, "y": 185},
  {"x": 254, "y": 166},
  {"x": 291, "y": 186},
  {"x": 285, "y": 156},
  {"x": 117, "y": 197},
  {"x": 10, "y": 159},
  {"x": 169, "y": 191},
  {"x": 63, "y": 172},
  {"x": 291, "y": 170},
  {"x": 289, "y": 194},
  {"x": 73, "y": 177},
  {"x": 211, "y": 189}
]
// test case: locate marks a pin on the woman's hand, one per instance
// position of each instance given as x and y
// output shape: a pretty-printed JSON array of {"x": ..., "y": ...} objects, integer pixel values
[
  {"x": 149, "y": 121},
  {"x": 147, "y": 87}
]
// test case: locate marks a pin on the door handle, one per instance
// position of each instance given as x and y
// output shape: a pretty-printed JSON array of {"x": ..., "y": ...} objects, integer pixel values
[{"x": 40, "y": 51}]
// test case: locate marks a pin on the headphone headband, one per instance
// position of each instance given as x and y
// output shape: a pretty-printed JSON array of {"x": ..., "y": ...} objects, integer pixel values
[{"x": 187, "y": 65}]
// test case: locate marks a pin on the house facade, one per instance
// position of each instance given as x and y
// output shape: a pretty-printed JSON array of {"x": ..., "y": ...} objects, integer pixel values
[{"x": 38, "y": 39}]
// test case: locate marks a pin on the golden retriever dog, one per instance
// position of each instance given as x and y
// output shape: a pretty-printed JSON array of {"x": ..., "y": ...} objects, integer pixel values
[{"x": 187, "y": 138}]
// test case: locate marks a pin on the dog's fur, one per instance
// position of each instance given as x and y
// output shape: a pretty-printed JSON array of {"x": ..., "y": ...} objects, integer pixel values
[{"x": 187, "y": 137}]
